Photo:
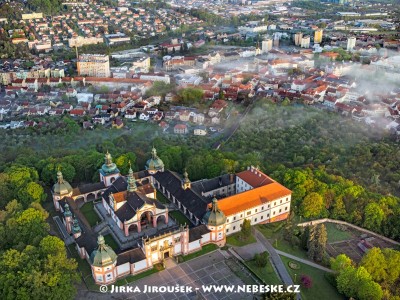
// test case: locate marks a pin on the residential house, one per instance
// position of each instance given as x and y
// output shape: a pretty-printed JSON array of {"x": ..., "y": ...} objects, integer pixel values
[{"x": 180, "y": 129}]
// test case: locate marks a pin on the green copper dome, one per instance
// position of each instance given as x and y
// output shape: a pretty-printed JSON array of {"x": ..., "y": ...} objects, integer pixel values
[
  {"x": 104, "y": 255},
  {"x": 61, "y": 187},
  {"x": 154, "y": 163},
  {"x": 67, "y": 212},
  {"x": 214, "y": 217},
  {"x": 109, "y": 167},
  {"x": 75, "y": 227}
]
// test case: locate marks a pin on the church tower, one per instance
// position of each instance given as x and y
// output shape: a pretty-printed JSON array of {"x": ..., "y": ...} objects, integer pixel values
[
  {"x": 132, "y": 187},
  {"x": 215, "y": 220},
  {"x": 60, "y": 190},
  {"x": 154, "y": 164},
  {"x": 103, "y": 262},
  {"x": 109, "y": 171}
]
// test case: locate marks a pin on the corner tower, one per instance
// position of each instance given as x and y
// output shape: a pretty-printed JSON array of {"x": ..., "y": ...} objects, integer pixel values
[
  {"x": 215, "y": 220},
  {"x": 60, "y": 190},
  {"x": 154, "y": 164},
  {"x": 103, "y": 262},
  {"x": 109, "y": 171}
]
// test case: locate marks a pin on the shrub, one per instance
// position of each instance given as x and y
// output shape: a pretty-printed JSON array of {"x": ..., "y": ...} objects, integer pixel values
[{"x": 306, "y": 281}]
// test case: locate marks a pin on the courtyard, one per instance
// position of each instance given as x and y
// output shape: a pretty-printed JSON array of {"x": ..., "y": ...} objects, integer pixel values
[{"x": 210, "y": 269}]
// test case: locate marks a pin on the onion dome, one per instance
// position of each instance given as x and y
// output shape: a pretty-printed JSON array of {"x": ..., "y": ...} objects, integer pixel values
[
  {"x": 104, "y": 255},
  {"x": 154, "y": 163},
  {"x": 61, "y": 187},
  {"x": 67, "y": 212},
  {"x": 75, "y": 227},
  {"x": 214, "y": 217},
  {"x": 109, "y": 167}
]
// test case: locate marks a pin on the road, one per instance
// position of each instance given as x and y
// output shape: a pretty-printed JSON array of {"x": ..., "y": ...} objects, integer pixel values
[{"x": 304, "y": 261}]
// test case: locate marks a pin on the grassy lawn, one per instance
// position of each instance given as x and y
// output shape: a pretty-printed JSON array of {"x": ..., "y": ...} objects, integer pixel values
[
  {"x": 180, "y": 217},
  {"x": 235, "y": 240},
  {"x": 321, "y": 288},
  {"x": 204, "y": 250},
  {"x": 267, "y": 273},
  {"x": 336, "y": 235},
  {"x": 91, "y": 216},
  {"x": 273, "y": 232},
  {"x": 111, "y": 242},
  {"x": 236, "y": 269},
  {"x": 162, "y": 198}
]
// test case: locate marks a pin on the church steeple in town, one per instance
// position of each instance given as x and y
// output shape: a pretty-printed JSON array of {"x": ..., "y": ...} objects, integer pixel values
[{"x": 132, "y": 187}]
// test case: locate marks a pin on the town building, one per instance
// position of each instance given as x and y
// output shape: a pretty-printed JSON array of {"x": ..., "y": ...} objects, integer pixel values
[
  {"x": 93, "y": 65},
  {"x": 305, "y": 42},
  {"x": 351, "y": 43},
  {"x": 318, "y": 36},
  {"x": 266, "y": 45},
  {"x": 297, "y": 38}
]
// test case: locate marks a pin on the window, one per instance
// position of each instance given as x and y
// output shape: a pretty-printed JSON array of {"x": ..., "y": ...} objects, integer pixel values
[
  {"x": 108, "y": 275},
  {"x": 287, "y": 199},
  {"x": 227, "y": 230},
  {"x": 273, "y": 213},
  {"x": 241, "y": 225},
  {"x": 286, "y": 208},
  {"x": 267, "y": 215},
  {"x": 241, "y": 215},
  {"x": 268, "y": 205},
  {"x": 281, "y": 200},
  {"x": 234, "y": 218},
  {"x": 249, "y": 212},
  {"x": 256, "y": 210},
  {"x": 227, "y": 220},
  {"x": 178, "y": 239},
  {"x": 262, "y": 217},
  {"x": 255, "y": 220},
  {"x": 262, "y": 207},
  {"x": 234, "y": 227},
  {"x": 280, "y": 210},
  {"x": 153, "y": 248},
  {"x": 274, "y": 203}
]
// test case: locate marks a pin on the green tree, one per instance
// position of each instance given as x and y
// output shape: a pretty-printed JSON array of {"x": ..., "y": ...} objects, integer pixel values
[
  {"x": 312, "y": 205},
  {"x": 49, "y": 172},
  {"x": 341, "y": 262},
  {"x": 21, "y": 175},
  {"x": 373, "y": 216},
  {"x": 123, "y": 161},
  {"x": 189, "y": 96},
  {"x": 42, "y": 272},
  {"x": 261, "y": 259},
  {"x": 317, "y": 240},
  {"x": 246, "y": 229},
  {"x": 31, "y": 192},
  {"x": 375, "y": 263}
]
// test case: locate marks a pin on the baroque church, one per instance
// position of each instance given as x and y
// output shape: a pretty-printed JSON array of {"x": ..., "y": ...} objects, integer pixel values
[{"x": 143, "y": 226}]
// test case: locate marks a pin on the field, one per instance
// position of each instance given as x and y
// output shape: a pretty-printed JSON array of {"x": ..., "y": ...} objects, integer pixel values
[
  {"x": 321, "y": 288},
  {"x": 267, "y": 273},
  {"x": 335, "y": 234},
  {"x": 179, "y": 217},
  {"x": 91, "y": 216},
  {"x": 273, "y": 232},
  {"x": 111, "y": 242},
  {"x": 235, "y": 240},
  {"x": 162, "y": 198}
]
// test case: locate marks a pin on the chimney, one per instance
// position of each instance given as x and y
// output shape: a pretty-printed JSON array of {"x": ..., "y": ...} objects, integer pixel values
[{"x": 231, "y": 178}]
